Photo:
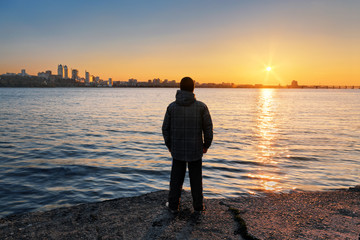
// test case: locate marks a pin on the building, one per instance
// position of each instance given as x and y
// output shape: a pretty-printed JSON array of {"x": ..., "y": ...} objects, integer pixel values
[
  {"x": 45, "y": 75},
  {"x": 23, "y": 73},
  {"x": 60, "y": 71},
  {"x": 87, "y": 77},
  {"x": 132, "y": 82},
  {"x": 66, "y": 73},
  {"x": 55, "y": 77},
  {"x": 110, "y": 82},
  {"x": 75, "y": 74},
  {"x": 9, "y": 74},
  {"x": 156, "y": 81},
  {"x": 294, "y": 84}
]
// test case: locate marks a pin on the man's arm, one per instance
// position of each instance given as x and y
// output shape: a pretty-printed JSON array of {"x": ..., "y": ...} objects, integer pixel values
[
  {"x": 166, "y": 129},
  {"x": 207, "y": 129}
]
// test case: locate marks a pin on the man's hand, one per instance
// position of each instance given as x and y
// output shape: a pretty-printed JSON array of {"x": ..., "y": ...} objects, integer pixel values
[{"x": 204, "y": 150}]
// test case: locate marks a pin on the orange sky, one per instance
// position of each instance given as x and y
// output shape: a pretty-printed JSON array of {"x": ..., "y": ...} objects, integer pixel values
[{"x": 314, "y": 42}]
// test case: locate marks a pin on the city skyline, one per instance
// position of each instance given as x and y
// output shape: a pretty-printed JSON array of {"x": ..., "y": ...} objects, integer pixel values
[
  {"x": 260, "y": 42},
  {"x": 48, "y": 79}
]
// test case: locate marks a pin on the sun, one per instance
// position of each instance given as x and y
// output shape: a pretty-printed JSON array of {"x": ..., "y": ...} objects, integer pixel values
[{"x": 268, "y": 69}]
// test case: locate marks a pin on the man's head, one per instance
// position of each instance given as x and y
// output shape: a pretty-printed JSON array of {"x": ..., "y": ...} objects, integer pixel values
[{"x": 187, "y": 84}]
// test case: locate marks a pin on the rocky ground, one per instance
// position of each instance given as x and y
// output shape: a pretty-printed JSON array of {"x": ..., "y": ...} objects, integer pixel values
[{"x": 299, "y": 215}]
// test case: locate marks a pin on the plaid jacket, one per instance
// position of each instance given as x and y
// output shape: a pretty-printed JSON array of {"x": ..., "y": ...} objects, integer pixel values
[{"x": 187, "y": 127}]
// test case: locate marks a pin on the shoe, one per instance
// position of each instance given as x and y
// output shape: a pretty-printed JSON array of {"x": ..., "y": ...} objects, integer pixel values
[
  {"x": 173, "y": 211},
  {"x": 201, "y": 209}
]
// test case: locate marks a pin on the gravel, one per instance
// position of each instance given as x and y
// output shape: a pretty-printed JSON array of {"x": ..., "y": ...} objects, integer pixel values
[{"x": 297, "y": 215}]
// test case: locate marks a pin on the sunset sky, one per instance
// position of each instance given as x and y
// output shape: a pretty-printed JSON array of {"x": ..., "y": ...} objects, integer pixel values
[{"x": 313, "y": 42}]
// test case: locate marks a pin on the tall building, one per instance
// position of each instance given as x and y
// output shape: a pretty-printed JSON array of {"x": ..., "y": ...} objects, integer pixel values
[
  {"x": 87, "y": 77},
  {"x": 74, "y": 74},
  {"x": 156, "y": 81},
  {"x": 60, "y": 71},
  {"x": 23, "y": 72},
  {"x": 110, "y": 82},
  {"x": 66, "y": 73}
]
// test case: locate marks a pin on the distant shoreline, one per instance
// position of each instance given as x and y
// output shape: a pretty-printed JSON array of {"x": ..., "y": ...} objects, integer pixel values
[
  {"x": 39, "y": 82},
  {"x": 219, "y": 87}
]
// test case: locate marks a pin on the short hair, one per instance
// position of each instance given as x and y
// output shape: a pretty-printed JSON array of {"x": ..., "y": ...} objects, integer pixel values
[{"x": 187, "y": 84}]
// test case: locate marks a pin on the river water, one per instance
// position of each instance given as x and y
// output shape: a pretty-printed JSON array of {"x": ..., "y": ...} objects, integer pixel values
[{"x": 64, "y": 146}]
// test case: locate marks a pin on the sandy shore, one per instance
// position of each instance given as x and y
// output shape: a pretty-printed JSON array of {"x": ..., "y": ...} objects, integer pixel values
[{"x": 299, "y": 215}]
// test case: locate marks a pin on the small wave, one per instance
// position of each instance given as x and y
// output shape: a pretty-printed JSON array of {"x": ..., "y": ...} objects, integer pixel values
[
  {"x": 140, "y": 171},
  {"x": 304, "y": 158},
  {"x": 293, "y": 166},
  {"x": 228, "y": 176},
  {"x": 251, "y": 163},
  {"x": 51, "y": 172},
  {"x": 57, "y": 152},
  {"x": 240, "y": 162},
  {"x": 93, "y": 135},
  {"x": 112, "y": 130},
  {"x": 225, "y": 169},
  {"x": 7, "y": 190},
  {"x": 235, "y": 148},
  {"x": 133, "y": 132},
  {"x": 88, "y": 146},
  {"x": 9, "y": 146}
]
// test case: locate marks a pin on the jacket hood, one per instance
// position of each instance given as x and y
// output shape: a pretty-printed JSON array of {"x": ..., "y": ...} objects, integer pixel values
[{"x": 185, "y": 98}]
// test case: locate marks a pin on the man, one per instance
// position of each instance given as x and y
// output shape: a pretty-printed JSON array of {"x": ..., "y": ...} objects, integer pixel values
[{"x": 188, "y": 132}]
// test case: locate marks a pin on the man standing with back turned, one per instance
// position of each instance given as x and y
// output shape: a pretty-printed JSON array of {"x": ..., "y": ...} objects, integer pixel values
[{"x": 188, "y": 132}]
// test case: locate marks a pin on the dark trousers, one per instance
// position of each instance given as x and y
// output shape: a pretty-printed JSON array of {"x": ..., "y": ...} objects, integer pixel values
[{"x": 178, "y": 171}]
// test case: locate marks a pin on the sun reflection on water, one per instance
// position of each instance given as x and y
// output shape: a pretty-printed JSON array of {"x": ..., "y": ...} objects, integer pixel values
[
  {"x": 266, "y": 127},
  {"x": 267, "y": 148}
]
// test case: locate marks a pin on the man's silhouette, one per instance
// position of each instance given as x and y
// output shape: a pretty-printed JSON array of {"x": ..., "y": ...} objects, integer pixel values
[{"x": 188, "y": 132}]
